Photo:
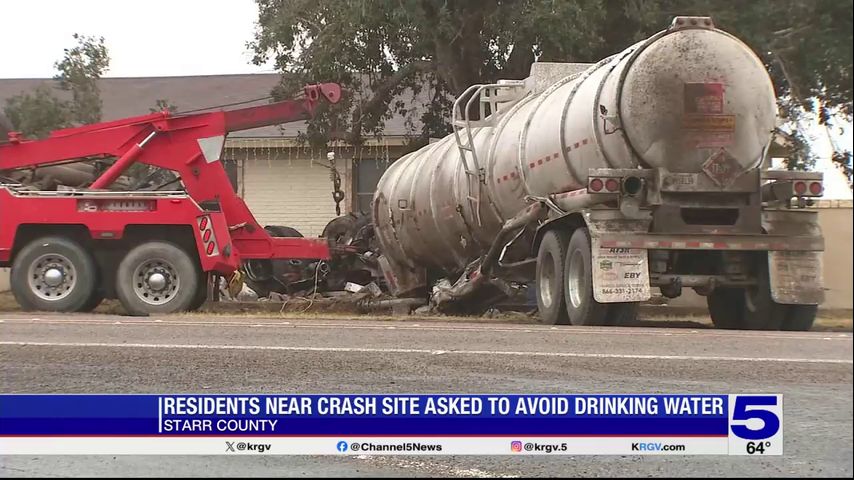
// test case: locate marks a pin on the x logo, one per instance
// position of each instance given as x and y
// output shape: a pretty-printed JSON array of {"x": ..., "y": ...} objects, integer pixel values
[{"x": 229, "y": 446}]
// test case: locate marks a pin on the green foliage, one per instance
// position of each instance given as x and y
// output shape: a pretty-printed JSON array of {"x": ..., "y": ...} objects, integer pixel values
[
  {"x": 379, "y": 49},
  {"x": 38, "y": 112},
  {"x": 79, "y": 71}
]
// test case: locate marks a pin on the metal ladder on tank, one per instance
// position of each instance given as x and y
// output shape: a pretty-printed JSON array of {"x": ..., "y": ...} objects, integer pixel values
[{"x": 489, "y": 98}]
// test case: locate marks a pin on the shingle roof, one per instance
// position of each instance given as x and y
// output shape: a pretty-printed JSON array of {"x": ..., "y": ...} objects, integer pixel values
[{"x": 126, "y": 97}]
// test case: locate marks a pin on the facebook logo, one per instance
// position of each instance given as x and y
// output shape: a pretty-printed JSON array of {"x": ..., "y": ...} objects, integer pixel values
[{"x": 342, "y": 446}]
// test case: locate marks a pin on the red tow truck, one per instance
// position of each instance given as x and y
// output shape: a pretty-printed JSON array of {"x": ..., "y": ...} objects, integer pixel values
[{"x": 153, "y": 250}]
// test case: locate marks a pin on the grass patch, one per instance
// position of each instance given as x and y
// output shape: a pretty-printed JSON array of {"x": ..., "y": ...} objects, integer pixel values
[{"x": 337, "y": 309}]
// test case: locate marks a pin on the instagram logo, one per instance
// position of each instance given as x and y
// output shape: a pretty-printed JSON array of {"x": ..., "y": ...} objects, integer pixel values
[{"x": 516, "y": 446}]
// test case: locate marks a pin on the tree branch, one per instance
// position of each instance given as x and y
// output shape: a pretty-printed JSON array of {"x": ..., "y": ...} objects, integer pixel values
[
  {"x": 794, "y": 90},
  {"x": 380, "y": 96},
  {"x": 519, "y": 61}
]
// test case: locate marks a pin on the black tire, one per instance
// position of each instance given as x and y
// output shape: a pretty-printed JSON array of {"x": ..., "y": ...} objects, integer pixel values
[
  {"x": 799, "y": 318},
  {"x": 201, "y": 293},
  {"x": 342, "y": 230},
  {"x": 179, "y": 270},
  {"x": 265, "y": 268},
  {"x": 282, "y": 231},
  {"x": 753, "y": 308},
  {"x": 29, "y": 279},
  {"x": 550, "y": 284},
  {"x": 582, "y": 308},
  {"x": 620, "y": 314},
  {"x": 726, "y": 307},
  {"x": 761, "y": 312}
]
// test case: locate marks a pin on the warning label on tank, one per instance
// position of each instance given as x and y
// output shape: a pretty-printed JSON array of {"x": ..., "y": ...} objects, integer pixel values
[
  {"x": 619, "y": 274},
  {"x": 709, "y": 123},
  {"x": 703, "y": 124},
  {"x": 704, "y": 98},
  {"x": 708, "y": 131},
  {"x": 722, "y": 168}
]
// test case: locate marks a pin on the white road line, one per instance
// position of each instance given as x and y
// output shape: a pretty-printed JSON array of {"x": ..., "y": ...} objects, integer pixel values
[
  {"x": 633, "y": 331},
  {"x": 430, "y": 352}
]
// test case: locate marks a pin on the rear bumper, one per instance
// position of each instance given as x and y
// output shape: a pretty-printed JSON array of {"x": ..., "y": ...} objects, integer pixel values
[{"x": 654, "y": 241}]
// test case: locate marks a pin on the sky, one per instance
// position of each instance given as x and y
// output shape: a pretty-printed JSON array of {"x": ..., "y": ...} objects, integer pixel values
[
  {"x": 149, "y": 38},
  {"x": 194, "y": 37}
]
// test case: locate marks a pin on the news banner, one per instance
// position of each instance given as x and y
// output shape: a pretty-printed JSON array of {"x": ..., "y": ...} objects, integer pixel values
[{"x": 447, "y": 424}]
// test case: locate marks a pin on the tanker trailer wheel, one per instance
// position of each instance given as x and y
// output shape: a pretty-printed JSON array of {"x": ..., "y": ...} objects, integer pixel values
[
  {"x": 53, "y": 274},
  {"x": 752, "y": 308},
  {"x": 761, "y": 312},
  {"x": 157, "y": 277},
  {"x": 582, "y": 308},
  {"x": 624, "y": 313},
  {"x": 550, "y": 260},
  {"x": 725, "y": 307},
  {"x": 800, "y": 317}
]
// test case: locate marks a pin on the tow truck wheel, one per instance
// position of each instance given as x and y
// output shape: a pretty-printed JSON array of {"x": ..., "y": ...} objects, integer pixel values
[
  {"x": 157, "y": 277},
  {"x": 582, "y": 308},
  {"x": 550, "y": 260},
  {"x": 53, "y": 274},
  {"x": 201, "y": 293}
]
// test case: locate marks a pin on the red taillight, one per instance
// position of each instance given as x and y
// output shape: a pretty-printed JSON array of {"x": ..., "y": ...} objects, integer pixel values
[
  {"x": 800, "y": 188},
  {"x": 207, "y": 236},
  {"x": 815, "y": 188},
  {"x": 612, "y": 185},
  {"x": 203, "y": 223},
  {"x": 596, "y": 185},
  {"x": 210, "y": 248}
]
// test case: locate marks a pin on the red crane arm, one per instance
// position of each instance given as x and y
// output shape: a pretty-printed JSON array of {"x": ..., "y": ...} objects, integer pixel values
[
  {"x": 272, "y": 114},
  {"x": 190, "y": 145}
]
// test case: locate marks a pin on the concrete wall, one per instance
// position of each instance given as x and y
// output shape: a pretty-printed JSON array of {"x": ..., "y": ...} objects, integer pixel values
[
  {"x": 4, "y": 279},
  {"x": 835, "y": 218},
  {"x": 836, "y": 223}
]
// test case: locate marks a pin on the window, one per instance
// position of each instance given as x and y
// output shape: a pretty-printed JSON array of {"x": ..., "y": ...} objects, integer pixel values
[
  {"x": 368, "y": 173},
  {"x": 230, "y": 166}
]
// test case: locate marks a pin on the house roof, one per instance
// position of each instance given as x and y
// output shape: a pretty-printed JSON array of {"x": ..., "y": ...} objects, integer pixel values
[{"x": 127, "y": 97}]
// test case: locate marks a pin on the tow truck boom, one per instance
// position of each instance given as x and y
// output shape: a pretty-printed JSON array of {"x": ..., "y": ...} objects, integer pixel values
[{"x": 190, "y": 145}]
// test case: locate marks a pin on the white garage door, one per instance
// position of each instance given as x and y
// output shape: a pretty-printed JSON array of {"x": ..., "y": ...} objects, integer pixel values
[{"x": 289, "y": 192}]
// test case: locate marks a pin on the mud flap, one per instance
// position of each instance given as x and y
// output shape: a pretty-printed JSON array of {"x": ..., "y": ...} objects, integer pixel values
[
  {"x": 619, "y": 274},
  {"x": 796, "y": 277}
]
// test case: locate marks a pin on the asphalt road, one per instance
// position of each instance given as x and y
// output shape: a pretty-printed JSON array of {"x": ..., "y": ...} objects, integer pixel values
[{"x": 221, "y": 354}]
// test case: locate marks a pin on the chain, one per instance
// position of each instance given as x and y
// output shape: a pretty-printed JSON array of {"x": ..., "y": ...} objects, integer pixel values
[{"x": 337, "y": 193}]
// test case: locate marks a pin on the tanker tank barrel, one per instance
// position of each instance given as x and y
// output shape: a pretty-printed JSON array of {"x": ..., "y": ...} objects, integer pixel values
[{"x": 687, "y": 111}]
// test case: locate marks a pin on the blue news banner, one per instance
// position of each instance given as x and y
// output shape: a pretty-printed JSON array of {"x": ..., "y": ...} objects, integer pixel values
[{"x": 392, "y": 424}]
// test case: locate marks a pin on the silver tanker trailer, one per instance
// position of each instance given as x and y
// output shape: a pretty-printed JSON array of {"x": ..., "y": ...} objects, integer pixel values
[{"x": 599, "y": 182}]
